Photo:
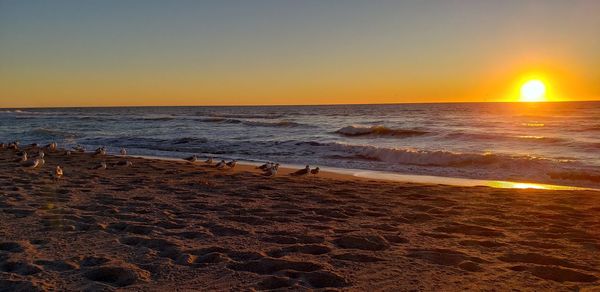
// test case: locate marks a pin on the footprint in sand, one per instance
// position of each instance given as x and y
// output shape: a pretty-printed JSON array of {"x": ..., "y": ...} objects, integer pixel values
[
  {"x": 12, "y": 247},
  {"x": 305, "y": 274},
  {"x": 18, "y": 285},
  {"x": 304, "y": 249},
  {"x": 556, "y": 273},
  {"x": 117, "y": 276},
  {"x": 357, "y": 257},
  {"x": 20, "y": 268},
  {"x": 447, "y": 257},
  {"x": 364, "y": 242},
  {"x": 57, "y": 265}
]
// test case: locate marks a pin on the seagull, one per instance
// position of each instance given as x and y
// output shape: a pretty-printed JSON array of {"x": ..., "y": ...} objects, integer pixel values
[
  {"x": 221, "y": 164},
  {"x": 123, "y": 151},
  {"x": 315, "y": 171},
  {"x": 30, "y": 163},
  {"x": 23, "y": 158},
  {"x": 192, "y": 158},
  {"x": 21, "y": 153},
  {"x": 34, "y": 145},
  {"x": 13, "y": 145},
  {"x": 271, "y": 171},
  {"x": 265, "y": 166},
  {"x": 232, "y": 163},
  {"x": 51, "y": 147},
  {"x": 58, "y": 173},
  {"x": 100, "y": 166},
  {"x": 124, "y": 163},
  {"x": 68, "y": 153},
  {"x": 41, "y": 154},
  {"x": 209, "y": 161},
  {"x": 100, "y": 151},
  {"x": 41, "y": 162},
  {"x": 303, "y": 171},
  {"x": 79, "y": 148}
]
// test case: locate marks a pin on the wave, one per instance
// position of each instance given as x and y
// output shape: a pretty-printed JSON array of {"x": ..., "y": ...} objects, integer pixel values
[
  {"x": 17, "y": 111},
  {"x": 156, "y": 119},
  {"x": 45, "y": 134},
  {"x": 438, "y": 158},
  {"x": 576, "y": 175},
  {"x": 220, "y": 120},
  {"x": 286, "y": 124},
  {"x": 247, "y": 116},
  {"x": 357, "y": 131},
  {"x": 500, "y": 137}
]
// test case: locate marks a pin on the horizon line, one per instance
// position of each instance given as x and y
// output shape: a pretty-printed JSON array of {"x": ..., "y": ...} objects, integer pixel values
[{"x": 292, "y": 105}]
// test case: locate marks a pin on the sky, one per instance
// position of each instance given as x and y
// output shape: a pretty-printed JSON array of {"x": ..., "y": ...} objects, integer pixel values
[{"x": 261, "y": 52}]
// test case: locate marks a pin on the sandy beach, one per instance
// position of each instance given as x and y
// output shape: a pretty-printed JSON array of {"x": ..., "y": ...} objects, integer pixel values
[{"x": 166, "y": 225}]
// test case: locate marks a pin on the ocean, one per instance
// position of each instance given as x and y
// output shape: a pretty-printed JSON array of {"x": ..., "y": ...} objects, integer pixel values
[{"x": 557, "y": 143}]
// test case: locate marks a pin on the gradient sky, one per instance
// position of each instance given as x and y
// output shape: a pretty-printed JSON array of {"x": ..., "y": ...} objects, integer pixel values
[{"x": 226, "y": 52}]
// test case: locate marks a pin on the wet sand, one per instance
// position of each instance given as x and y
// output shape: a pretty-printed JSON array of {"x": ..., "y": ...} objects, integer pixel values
[{"x": 166, "y": 225}]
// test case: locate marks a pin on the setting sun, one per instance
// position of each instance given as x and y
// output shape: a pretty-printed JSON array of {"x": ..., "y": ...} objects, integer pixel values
[{"x": 533, "y": 91}]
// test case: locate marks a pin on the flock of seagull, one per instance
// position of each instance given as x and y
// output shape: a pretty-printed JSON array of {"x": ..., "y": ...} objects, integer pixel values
[
  {"x": 268, "y": 169},
  {"x": 35, "y": 160}
]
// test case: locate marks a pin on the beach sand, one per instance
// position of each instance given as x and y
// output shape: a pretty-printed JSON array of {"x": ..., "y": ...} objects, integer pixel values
[{"x": 166, "y": 225}]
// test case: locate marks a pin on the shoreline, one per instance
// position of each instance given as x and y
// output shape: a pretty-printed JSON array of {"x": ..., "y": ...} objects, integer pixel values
[{"x": 354, "y": 174}]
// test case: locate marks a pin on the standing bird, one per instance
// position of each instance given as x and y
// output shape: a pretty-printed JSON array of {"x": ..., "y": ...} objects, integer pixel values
[
  {"x": 101, "y": 166},
  {"x": 2, "y": 146},
  {"x": 23, "y": 158},
  {"x": 300, "y": 172},
  {"x": 265, "y": 166},
  {"x": 68, "y": 153},
  {"x": 58, "y": 173},
  {"x": 315, "y": 171},
  {"x": 30, "y": 163},
  {"x": 221, "y": 164},
  {"x": 209, "y": 161},
  {"x": 100, "y": 151},
  {"x": 14, "y": 145},
  {"x": 41, "y": 162},
  {"x": 79, "y": 148},
  {"x": 192, "y": 158},
  {"x": 272, "y": 171},
  {"x": 123, "y": 151},
  {"x": 41, "y": 154},
  {"x": 232, "y": 163},
  {"x": 51, "y": 147}
]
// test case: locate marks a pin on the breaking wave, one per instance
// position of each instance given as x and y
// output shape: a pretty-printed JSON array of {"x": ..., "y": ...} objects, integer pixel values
[
  {"x": 440, "y": 158},
  {"x": 285, "y": 124},
  {"x": 357, "y": 131}
]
